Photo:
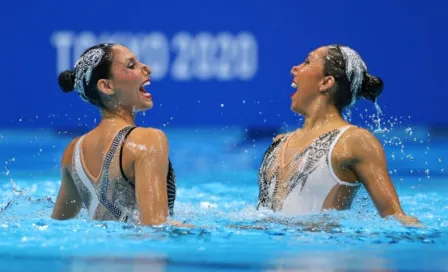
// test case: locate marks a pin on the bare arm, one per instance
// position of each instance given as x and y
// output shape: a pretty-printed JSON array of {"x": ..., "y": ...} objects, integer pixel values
[
  {"x": 151, "y": 169},
  {"x": 68, "y": 203},
  {"x": 370, "y": 166}
]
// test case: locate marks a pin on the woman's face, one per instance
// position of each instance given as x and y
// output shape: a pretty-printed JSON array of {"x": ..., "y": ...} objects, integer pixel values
[
  {"x": 129, "y": 80},
  {"x": 307, "y": 79}
]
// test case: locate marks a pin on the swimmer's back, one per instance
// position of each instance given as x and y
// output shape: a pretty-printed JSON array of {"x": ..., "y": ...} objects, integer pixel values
[
  {"x": 137, "y": 143},
  {"x": 140, "y": 158}
]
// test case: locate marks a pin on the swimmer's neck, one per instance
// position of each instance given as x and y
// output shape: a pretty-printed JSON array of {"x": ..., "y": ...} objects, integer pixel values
[
  {"x": 118, "y": 115},
  {"x": 319, "y": 116}
]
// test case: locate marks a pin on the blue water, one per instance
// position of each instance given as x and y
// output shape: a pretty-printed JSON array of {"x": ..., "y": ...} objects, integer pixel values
[{"x": 217, "y": 192}]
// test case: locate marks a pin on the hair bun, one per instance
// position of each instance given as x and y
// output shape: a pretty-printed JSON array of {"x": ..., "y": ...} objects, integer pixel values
[
  {"x": 66, "y": 81},
  {"x": 371, "y": 88}
]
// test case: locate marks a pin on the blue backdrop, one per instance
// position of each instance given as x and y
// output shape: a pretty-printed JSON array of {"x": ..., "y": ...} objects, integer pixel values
[{"x": 220, "y": 62}]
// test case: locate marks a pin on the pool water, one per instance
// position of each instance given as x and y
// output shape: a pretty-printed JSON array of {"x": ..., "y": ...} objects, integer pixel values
[{"x": 217, "y": 192}]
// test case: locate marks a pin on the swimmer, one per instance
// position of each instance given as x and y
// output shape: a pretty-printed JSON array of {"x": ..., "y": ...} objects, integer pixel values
[
  {"x": 322, "y": 165},
  {"x": 117, "y": 171}
]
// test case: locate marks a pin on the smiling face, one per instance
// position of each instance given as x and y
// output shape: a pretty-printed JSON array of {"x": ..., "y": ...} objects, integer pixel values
[
  {"x": 309, "y": 80},
  {"x": 130, "y": 77}
]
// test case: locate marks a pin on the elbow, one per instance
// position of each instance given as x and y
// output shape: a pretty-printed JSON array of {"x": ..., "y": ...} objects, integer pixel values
[
  {"x": 153, "y": 220},
  {"x": 65, "y": 214},
  {"x": 60, "y": 217}
]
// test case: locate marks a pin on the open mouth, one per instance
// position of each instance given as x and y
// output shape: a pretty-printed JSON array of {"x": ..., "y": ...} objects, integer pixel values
[
  {"x": 143, "y": 90},
  {"x": 294, "y": 84}
]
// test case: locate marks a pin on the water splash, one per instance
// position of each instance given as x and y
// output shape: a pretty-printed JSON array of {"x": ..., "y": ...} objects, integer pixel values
[
  {"x": 401, "y": 139},
  {"x": 378, "y": 121},
  {"x": 348, "y": 115}
]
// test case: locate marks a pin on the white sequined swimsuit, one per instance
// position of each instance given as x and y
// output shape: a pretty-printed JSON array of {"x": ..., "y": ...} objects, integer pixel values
[
  {"x": 112, "y": 199},
  {"x": 309, "y": 176}
]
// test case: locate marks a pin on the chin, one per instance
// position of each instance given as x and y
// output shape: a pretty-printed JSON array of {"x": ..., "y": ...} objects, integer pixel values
[
  {"x": 145, "y": 107},
  {"x": 296, "y": 109}
]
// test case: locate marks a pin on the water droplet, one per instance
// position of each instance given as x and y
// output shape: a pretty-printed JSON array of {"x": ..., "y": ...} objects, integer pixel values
[
  {"x": 222, "y": 105},
  {"x": 409, "y": 131}
]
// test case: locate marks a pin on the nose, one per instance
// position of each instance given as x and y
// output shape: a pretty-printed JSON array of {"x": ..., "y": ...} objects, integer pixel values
[
  {"x": 293, "y": 70},
  {"x": 146, "y": 70}
]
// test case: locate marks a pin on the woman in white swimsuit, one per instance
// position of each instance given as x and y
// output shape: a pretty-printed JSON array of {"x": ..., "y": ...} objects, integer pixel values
[
  {"x": 117, "y": 171},
  {"x": 322, "y": 165}
]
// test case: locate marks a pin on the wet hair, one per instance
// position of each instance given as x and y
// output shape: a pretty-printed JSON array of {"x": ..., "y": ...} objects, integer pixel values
[
  {"x": 94, "y": 64},
  {"x": 351, "y": 76}
]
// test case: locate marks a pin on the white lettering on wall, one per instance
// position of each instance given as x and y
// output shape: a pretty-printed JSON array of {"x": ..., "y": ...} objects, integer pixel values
[
  {"x": 63, "y": 42},
  {"x": 185, "y": 56}
]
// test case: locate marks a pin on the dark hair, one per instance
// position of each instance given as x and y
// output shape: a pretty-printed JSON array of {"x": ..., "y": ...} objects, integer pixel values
[
  {"x": 335, "y": 65},
  {"x": 102, "y": 70}
]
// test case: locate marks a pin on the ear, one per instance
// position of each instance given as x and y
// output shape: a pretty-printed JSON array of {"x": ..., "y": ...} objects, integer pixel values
[
  {"x": 105, "y": 86},
  {"x": 326, "y": 84}
]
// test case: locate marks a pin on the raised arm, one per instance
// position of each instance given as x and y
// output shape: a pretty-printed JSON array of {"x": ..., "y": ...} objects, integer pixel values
[{"x": 370, "y": 166}]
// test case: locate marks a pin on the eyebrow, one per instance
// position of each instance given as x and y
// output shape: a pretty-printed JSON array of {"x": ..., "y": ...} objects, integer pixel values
[{"x": 133, "y": 58}]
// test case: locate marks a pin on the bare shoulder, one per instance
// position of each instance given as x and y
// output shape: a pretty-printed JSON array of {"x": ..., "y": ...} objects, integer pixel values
[
  {"x": 68, "y": 153},
  {"x": 362, "y": 142},
  {"x": 147, "y": 140},
  {"x": 359, "y": 135},
  {"x": 278, "y": 137},
  {"x": 147, "y": 132}
]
